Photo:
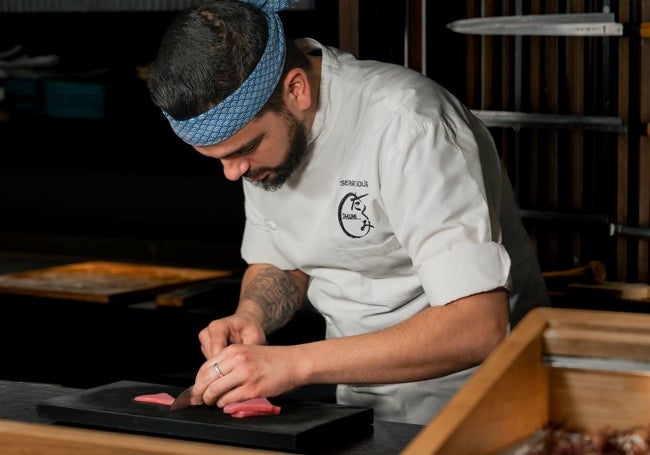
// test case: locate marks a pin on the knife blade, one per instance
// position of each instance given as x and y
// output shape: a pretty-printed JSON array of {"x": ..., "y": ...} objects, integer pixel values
[
  {"x": 183, "y": 400},
  {"x": 534, "y": 120},
  {"x": 569, "y": 24},
  {"x": 638, "y": 232}
]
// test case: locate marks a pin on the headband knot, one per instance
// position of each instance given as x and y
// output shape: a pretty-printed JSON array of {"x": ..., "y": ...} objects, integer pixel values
[
  {"x": 271, "y": 6},
  {"x": 237, "y": 109}
]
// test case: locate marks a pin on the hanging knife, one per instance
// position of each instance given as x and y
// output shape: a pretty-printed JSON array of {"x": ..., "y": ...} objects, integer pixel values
[
  {"x": 584, "y": 218},
  {"x": 570, "y": 24},
  {"x": 513, "y": 119}
]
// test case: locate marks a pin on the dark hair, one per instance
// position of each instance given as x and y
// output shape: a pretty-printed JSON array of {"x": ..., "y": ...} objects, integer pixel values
[{"x": 207, "y": 52}]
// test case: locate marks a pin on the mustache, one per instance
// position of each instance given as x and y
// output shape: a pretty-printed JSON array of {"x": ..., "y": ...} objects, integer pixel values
[{"x": 253, "y": 173}]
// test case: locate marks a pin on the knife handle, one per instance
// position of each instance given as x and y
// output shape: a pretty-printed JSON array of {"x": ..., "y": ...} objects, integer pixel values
[
  {"x": 593, "y": 272},
  {"x": 644, "y": 129},
  {"x": 630, "y": 231},
  {"x": 642, "y": 29}
]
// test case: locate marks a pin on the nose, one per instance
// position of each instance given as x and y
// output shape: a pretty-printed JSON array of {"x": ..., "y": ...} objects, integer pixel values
[{"x": 234, "y": 168}]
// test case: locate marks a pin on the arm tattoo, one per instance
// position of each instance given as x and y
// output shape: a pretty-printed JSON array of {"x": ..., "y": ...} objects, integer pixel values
[{"x": 277, "y": 295}]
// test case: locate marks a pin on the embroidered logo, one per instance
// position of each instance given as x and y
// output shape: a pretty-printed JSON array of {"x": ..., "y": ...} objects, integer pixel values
[{"x": 352, "y": 216}]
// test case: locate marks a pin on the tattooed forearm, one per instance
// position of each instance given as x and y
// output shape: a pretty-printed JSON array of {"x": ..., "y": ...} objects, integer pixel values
[{"x": 277, "y": 295}]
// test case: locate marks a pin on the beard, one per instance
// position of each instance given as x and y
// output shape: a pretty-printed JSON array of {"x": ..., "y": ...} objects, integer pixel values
[{"x": 296, "y": 151}]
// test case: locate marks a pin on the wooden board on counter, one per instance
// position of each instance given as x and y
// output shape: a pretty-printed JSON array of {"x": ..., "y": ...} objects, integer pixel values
[
  {"x": 103, "y": 281},
  {"x": 183, "y": 297},
  {"x": 610, "y": 289}
]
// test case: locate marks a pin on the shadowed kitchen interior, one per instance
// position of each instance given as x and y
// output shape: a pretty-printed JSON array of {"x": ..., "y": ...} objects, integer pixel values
[
  {"x": 106, "y": 179},
  {"x": 90, "y": 171}
]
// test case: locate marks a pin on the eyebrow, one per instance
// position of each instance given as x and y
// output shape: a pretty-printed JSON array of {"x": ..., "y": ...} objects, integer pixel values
[{"x": 253, "y": 143}]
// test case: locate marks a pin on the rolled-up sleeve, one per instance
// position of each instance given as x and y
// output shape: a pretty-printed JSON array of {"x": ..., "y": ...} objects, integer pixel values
[
  {"x": 465, "y": 270},
  {"x": 442, "y": 213}
]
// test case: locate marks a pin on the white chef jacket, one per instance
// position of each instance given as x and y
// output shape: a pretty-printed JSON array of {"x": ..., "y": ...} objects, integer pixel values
[{"x": 398, "y": 205}]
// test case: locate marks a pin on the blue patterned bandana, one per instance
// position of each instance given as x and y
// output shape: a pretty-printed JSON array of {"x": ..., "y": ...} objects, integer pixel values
[{"x": 237, "y": 109}]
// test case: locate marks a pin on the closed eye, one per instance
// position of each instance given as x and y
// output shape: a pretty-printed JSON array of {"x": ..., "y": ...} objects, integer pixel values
[
  {"x": 249, "y": 147},
  {"x": 248, "y": 150}
]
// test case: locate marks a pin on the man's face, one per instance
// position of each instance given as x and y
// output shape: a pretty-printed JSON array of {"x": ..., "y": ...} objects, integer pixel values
[
  {"x": 277, "y": 175},
  {"x": 266, "y": 151}
]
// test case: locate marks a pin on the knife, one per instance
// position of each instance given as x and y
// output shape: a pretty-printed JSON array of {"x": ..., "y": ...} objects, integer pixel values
[
  {"x": 570, "y": 24},
  {"x": 533, "y": 120},
  {"x": 638, "y": 232},
  {"x": 183, "y": 400}
]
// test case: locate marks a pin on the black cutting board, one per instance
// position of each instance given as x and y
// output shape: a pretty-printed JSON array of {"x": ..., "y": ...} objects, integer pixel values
[{"x": 300, "y": 426}]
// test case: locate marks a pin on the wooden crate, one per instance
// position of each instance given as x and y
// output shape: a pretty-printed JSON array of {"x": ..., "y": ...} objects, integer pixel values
[{"x": 521, "y": 387}]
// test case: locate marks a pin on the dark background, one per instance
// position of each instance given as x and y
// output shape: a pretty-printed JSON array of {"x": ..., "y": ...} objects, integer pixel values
[
  {"x": 68, "y": 184},
  {"x": 123, "y": 187}
]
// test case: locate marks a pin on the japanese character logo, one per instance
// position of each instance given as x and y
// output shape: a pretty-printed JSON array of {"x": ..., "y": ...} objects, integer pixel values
[{"x": 352, "y": 216}]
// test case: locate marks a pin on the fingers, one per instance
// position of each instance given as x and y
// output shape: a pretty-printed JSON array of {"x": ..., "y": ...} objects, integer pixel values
[
  {"x": 231, "y": 330},
  {"x": 231, "y": 386},
  {"x": 237, "y": 373},
  {"x": 215, "y": 337},
  {"x": 212, "y": 381},
  {"x": 223, "y": 344},
  {"x": 209, "y": 372},
  {"x": 215, "y": 365}
]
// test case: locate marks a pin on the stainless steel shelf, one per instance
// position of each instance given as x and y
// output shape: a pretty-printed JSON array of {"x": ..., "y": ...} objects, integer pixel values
[{"x": 510, "y": 119}]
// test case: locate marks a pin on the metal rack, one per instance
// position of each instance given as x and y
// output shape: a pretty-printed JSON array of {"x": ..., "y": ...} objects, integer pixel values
[{"x": 572, "y": 119}]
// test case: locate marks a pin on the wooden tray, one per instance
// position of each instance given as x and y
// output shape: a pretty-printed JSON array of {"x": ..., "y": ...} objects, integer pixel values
[
  {"x": 103, "y": 282},
  {"x": 583, "y": 369}
]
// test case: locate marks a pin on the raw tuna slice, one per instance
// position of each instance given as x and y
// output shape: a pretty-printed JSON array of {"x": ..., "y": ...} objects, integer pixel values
[
  {"x": 156, "y": 398},
  {"x": 252, "y": 407}
]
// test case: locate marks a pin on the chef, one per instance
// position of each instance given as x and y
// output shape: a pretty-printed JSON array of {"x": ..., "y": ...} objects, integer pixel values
[{"x": 370, "y": 191}]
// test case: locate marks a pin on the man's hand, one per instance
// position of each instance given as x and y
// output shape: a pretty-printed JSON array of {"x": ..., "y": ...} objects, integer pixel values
[
  {"x": 237, "y": 329},
  {"x": 248, "y": 371},
  {"x": 239, "y": 365}
]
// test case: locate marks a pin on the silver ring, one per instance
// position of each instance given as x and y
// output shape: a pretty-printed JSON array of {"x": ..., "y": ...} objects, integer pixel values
[{"x": 216, "y": 368}]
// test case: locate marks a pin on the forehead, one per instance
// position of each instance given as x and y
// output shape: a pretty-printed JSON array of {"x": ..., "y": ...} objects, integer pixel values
[{"x": 251, "y": 132}]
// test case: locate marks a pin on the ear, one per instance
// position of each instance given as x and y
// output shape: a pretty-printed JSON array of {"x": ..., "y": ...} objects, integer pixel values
[{"x": 297, "y": 89}]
